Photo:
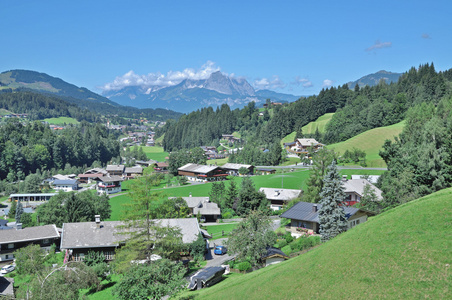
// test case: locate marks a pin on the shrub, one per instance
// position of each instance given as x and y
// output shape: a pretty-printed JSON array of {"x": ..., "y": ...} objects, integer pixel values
[
  {"x": 289, "y": 238},
  {"x": 280, "y": 231},
  {"x": 287, "y": 250},
  {"x": 244, "y": 266},
  {"x": 282, "y": 243}
]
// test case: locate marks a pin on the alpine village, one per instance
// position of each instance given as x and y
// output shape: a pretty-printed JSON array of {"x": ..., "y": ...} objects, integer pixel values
[{"x": 213, "y": 188}]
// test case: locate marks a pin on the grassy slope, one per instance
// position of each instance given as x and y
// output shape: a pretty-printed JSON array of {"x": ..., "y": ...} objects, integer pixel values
[
  {"x": 310, "y": 128},
  {"x": 61, "y": 121},
  {"x": 155, "y": 153},
  {"x": 370, "y": 141},
  {"x": 403, "y": 253}
]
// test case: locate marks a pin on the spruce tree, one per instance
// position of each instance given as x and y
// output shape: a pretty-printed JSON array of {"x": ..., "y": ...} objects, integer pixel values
[
  {"x": 19, "y": 211},
  {"x": 331, "y": 214}
]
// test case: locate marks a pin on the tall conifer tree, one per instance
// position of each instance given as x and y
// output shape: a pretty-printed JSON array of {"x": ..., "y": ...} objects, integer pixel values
[{"x": 331, "y": 214}]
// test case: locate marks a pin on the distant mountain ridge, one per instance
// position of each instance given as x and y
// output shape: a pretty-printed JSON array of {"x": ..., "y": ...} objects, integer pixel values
[
  {"x": 42, "y": 82},
  {"x": 190, "y": 95},
  {"x": 374, "y": 78}
]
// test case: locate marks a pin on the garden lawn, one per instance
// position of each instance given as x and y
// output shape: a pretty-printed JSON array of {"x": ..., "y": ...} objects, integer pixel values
[
  {"x": 216, "y": 231},
  {"x": 371, "y": 142}
]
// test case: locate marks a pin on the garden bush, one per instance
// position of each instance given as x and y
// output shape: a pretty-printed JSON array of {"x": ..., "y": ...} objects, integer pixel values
[
  {"x": 282, "y": 243},
  {"x": 281, "y": 231},
  {"x": 289, "y": 238},
  {"x": 244, "y": 266},
  {"x": 287, "y": 250}
]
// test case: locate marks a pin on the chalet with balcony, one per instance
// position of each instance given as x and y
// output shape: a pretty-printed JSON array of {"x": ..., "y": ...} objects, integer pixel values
[
  {"x": 233, "y": 169},
  {"x": 208, "y": 211},
  {"x": 304, "y": 146},
  {"x": 115, "y": 170},
  {"x": 354, "y": 190},
  {"x": 202, "y": 173},
  {"x": 108, "y": 184},
  {"x": 279, "y": 197},
  {"x": 14, "y": 239},
  {"x": 68, "y": 185}
]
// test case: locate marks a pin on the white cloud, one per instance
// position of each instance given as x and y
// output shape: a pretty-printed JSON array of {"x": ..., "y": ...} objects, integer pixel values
[
  {"x": 327, "y": 83},
  {"x": 379, "y": 45},
  {"x": 306, "y": 83},
  {"x": 265, "y": 83},
  {"x": 157, "y": 79}
]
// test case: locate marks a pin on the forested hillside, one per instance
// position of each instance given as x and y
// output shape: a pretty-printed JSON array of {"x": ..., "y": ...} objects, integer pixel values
[
  {"x": 26, "y": 148},
  {"x": 356, "y": 111}
]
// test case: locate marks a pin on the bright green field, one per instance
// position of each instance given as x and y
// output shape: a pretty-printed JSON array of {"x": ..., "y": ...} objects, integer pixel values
[
  {"x": 310, "y": 128},
  {"x": 404, "y": 253},
  {"x": 155, "y": 153},
  {"x": 287, "y": 180},
  {"x": 371, "y": 142},
  {"x": 216, "y": 231},
  {"x": 61, "y": 121}
]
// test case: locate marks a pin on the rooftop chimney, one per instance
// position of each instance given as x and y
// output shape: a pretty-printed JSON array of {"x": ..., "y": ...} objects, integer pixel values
[
  {"x": 18, "y": 226},
  {"x": 97, "y": 218},
  {"x": 344, "y": 177},
  {"x": 314, "y": 208}
]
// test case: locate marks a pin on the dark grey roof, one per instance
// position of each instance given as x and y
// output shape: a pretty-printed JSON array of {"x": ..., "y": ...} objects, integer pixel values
[
  {"x": 29, "y": 234},
  {"x": 232, "y": 166},
  {"x": 272, "y": 251},
  {"x": 195, "y": 201},
  {"x": 303, "y": 211},
  {"x": 138, "y": 170},
  {"x": 6, "y": 287}
]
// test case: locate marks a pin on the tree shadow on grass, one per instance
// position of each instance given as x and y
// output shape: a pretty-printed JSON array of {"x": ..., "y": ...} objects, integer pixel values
[{"x": 102, "y": 287}]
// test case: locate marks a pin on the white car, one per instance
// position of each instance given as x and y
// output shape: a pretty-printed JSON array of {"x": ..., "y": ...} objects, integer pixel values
[{"x": 8, "y": 268}]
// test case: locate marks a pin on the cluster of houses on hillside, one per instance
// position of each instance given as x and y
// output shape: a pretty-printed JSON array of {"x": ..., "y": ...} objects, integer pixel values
[{"x": 303, "y": 146}]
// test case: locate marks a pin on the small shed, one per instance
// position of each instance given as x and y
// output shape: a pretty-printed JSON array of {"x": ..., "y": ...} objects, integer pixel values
[{"x": 273, "y": 256}]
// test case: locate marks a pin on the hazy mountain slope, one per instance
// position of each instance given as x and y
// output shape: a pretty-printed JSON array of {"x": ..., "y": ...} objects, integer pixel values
[{"x": 374, "y": 79}]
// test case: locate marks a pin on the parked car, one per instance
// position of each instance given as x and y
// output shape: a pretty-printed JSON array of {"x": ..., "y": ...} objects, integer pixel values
[
  {"x": 8, "y": 268},
  {"x": 220, "y": 250}
]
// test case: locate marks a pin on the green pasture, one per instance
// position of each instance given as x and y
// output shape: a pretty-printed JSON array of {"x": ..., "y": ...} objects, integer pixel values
[
  {"x": 156, "y": 153},
  {"x": 61, "y": 121}
]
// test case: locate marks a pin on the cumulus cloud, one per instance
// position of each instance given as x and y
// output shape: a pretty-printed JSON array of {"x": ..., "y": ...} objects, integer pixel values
[
  {"x": 426, "y": 36},
  {"x": 327, "y": 83},
  {"x": 265, "y": 83},
  {"x": 157, "y": 79},
  {"x": 304, "y": 82},
  {"x": 379, "y": 45}
]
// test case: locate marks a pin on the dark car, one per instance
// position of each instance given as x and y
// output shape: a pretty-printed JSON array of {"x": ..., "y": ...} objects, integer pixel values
[{"x": 220, "y": 250}]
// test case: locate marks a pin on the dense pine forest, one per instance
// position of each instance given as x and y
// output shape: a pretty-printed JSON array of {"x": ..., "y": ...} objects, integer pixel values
[{"x": 24, "y": 149}]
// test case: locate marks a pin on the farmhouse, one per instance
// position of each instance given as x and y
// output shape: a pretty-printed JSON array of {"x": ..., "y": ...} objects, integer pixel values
[
  {"x": 233, "y": 169},
  {"x": 132, "y": 172},
  {"x": 106, "y": 236},
  {"x": 14, "y": 239},
  {"x": 279, "y": 197},
  {"x": 117, "y": 170},
  {"x": 304, "y": 145},
  {"x": 306, "y": 215},
  {"x": 195, "y": 172}
]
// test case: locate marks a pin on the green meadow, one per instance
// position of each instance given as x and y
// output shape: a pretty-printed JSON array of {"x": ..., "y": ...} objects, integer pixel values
[
  {"x": 156, "y": 153},
  {"x": 403, "y": 253},
  {"x": 371, "y": 142},
  {"x": 61, "y": 121}
]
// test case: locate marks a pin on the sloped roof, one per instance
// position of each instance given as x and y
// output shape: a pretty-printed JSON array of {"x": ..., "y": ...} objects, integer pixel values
[
  {"x": 274, "y": 252},
  {"x": 308, "y": 142},
  {"x": 357, "y": 186},
  {"x": 65, "y": 182},
  {"x": 96, "y": 171},
  {"x": 207, "y": 209},
  {"x": 87, "y": 235},
  {"x": 195, "y": 168},
  {"x": 232, "y": 166},
  {"x": 60, "y": 177},
  {"x": 110, "y": 178},
  {"x": 7, "y": 287},
  {"x": 280, "y": 194},
  {"x": 136, "y": 170},
  {"x": 29, "y": 234},
  {"x": 115, "y": 168},
  {"x": 195, "y": 201},
  {"x": 303, "y": 211}
]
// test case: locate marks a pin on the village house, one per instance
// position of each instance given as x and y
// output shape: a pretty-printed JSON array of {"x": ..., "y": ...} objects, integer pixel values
[
  {"x": 14, "y": 239},
  {"x": 279, "y": 197},
  {"x": 305, "y": 145},
  {"x": 266, "y": 171},
  {"x": 65, "y": 185},
  {"x": 161, "y": 167},
  {"x": 115, "y": 170},
  {"x": 108, "y": 184},
  {"x": 233, "y": 169},
  {"x": 305, "y": 215},
  {"x": 31, "y": 197},
  {"x": 354, "y": 190},
  {"x": 132, "y": 172},
  {"x": 208, "y": 211},
  {"x": 202, "y": 173},
  {"x": 106, "y": 236}
]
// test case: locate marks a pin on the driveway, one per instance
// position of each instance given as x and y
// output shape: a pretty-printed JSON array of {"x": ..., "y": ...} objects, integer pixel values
[{"x": 214, "y": 260}]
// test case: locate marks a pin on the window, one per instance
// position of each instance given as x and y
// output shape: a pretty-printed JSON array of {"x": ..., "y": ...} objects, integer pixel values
[
  {"x": 45, "y": 241},
  {"x": 10, "y": 246},
  {"x": 6, "y": 256},
  {"x": 357, "y": 222}
]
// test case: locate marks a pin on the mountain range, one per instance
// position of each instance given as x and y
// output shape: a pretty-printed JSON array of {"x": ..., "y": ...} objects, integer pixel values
[
  {"x": 191, "y": 95},
  {"x": 374, "y": 79}
]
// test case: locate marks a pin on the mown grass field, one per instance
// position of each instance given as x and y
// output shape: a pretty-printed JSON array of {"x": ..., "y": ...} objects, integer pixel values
[
  {"x": 371, "y": 142},
  {"x": 156, "y": 153},
  {"x": 310, "y": 128},
  {"x": 216, "y": 231},
  {"x": 404, "y": 253},
  {"x": 61, "y": 121},
  {"x": 288, "y": 180}
]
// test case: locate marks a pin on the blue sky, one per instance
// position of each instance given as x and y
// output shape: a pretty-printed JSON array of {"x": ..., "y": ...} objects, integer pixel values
[{"x": 296, "y": 47}]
